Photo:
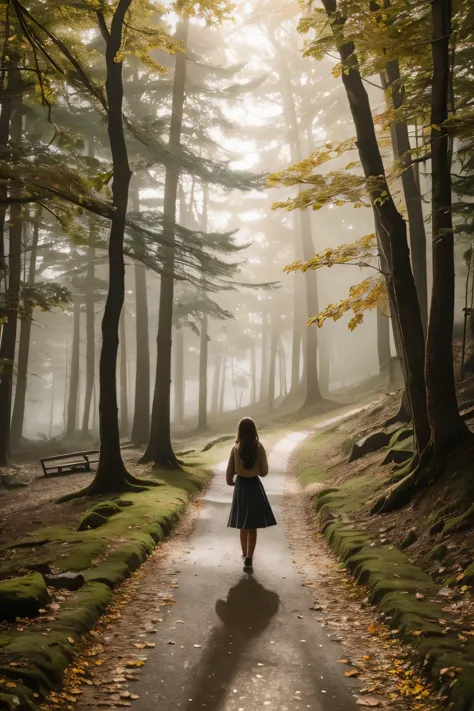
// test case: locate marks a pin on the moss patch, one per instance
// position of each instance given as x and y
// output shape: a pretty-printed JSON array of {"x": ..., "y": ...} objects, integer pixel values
[
  {"x": 22, "y": 597},
  {"x": 133, "y": 526}
]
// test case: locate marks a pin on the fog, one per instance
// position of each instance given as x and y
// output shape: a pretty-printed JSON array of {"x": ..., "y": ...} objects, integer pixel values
[{"x": 253, "y": 105}]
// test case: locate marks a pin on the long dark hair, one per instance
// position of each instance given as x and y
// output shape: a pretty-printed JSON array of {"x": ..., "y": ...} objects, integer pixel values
[{"x": 247, "y": 442}]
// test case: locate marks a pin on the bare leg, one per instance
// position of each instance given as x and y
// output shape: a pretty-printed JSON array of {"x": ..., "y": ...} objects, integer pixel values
[
  {"x": 252, "y": 542},
  {"x": 244, "y": 541}
]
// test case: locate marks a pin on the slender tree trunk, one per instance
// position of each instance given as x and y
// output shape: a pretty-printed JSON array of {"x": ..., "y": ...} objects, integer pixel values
[
  {"x": 253, "y": 373},
  {"x": 202, "y": 414},
  {"x": 392, "y": 232},
  {"x": 74, "y": 374},
  {"x": 90, "y": 337},
  {"x": 383, "y": 342},
  {"x": 160, "y": 449},
  {"x": 447, "y": 427},
  {"x": 264, "y": 360},
  {"x": 297, "y": 330},
  {"x": 111, "y": 473},
  {"x": 282, "y": 364},
  {"x": 51, "y": 411},
  {"x": 223, "y": 378},
  {"x": 215, "y": 384},
  {"x": 9, "y": 331},
  {"x": 141, "y": 414},
  {"x": 124, "y": 423},
  {"x": 324, "y": 366},
  {"x": 204, "y": 338},
  {"x": 274, "y": 335},
  {"x": 6, "y": 103},
  {"x": 179, "y": 382},
  {"x": 18, "y": 416}
]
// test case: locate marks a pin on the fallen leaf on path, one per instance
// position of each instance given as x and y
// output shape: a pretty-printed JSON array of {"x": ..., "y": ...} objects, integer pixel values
[
  {"x": 135, "y": 663},
  {"x": 70, "y": 640},
  {"x": 343, "y": 661},
  {"x": 352, "y": 672},
  {"x": 367, "y": 701},
  {"x": 198, "y": 646},
  {"x": 139, "y": 645},
  {"x": 134, "y": 696},
  {"x": 150, "y": 644}
]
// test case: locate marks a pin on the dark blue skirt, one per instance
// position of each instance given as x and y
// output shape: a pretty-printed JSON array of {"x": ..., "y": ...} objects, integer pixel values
[{"x": 250, "y": 506}]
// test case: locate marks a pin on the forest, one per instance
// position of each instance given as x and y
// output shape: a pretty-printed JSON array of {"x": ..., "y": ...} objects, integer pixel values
[{"x": 217, "y": 209}]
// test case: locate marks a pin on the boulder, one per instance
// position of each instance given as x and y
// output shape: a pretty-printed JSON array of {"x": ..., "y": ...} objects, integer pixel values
[
  {"x": 409, "y": 539},
  {"x": 65, "y": 581},
  {"x": 369, "y": 444},
  {"x": 22, "y": 597},
  {"x": 11, "y": 482}
]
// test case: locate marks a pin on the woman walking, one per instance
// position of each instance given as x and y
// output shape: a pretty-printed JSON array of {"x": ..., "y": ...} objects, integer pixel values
[{"x": 250, "y": 508}]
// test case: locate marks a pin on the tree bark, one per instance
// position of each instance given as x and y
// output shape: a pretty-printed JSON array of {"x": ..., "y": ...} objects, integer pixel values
[
  {"x": 264, "y": 366},
  {"x": 411, "y": 191},
  {"x": 274, "y": 336},
  {"x": 74, "y": 374},
  {"x": 9, "y": 331},
  {"x": 160, "y": 448},
  {"x": 223, "y": 378},
  {"x": 18, "y": 416},
  {"x": 215, "y": 384},
  {"x": 313, "y": 393},
  {"x": 282, "y": 367},
  {"x": 124, "y": 422},
  {"x": 392, "y": 233},
  {"x": 253, "y": 373},
  {"x": 203, "y": 350},
  {"x": 90, "y": 337},
  {"x": 179, "y": 382},
  {"x": 383, "y": 342},
  {"x": 111, "y": 473},
  {"x": 141, "y": 414},
  {"x": 447, "y": 427}
]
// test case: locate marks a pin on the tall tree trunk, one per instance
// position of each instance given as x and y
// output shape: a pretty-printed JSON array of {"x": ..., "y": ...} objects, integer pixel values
[
  {"x": 204, "y": 338},
  {"x": 202, "y": 412},
  {"x": 392, "y": 233},
  {"x": 90, "y": 336},
  {"x": 111, "y": 473},
  {"x": 160, "y": 448},
  {"x": 297, "y": 331},
  {"x": 313, "y": 393},
  {"x": 141, "y": 413},
  {"x": 179, "y": 382},
  {"x": 223, "y": 378},
  {"x": 74, "y": 374},
  {"x": 215, "y": 384},
  {"x": 18, "y": 416},
  {"x": 9, "y": 331},
  {"x": 411, "y": 191},
  {"x": 6, "y": 103},
  {"x": 383, "y": 342},
  {"x": 264, "y": 365},
  {"x": 274, "y": 335},
  {"x": 124, "y": 423},
  {"x": 447, "y": 427},
  {"x": 253, "y": 373},
  {"x": 282, "y": 366}
]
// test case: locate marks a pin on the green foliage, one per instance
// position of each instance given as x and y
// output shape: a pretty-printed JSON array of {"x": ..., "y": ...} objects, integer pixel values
[{"x": 43, "y": 295}]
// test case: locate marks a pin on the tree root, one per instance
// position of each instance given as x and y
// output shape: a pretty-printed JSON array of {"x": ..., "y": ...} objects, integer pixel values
[
  {"x": 143, "y": 483},
  {"x": 93, "y": 489},
  {"x": 401, "y": 494}
]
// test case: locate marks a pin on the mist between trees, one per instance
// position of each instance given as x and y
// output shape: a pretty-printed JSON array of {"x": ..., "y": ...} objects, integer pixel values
[{"x": 147, "y": 214}]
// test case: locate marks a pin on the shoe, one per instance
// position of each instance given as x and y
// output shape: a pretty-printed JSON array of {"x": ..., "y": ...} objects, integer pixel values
[{"x": 248, "y": 563}]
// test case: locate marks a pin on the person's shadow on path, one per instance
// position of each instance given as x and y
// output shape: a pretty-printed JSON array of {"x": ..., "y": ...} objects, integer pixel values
[{"x": 244, "y": 615}]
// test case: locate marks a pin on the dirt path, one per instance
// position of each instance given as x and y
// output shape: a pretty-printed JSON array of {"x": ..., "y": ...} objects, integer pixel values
[{"x": 192, "y": 631}]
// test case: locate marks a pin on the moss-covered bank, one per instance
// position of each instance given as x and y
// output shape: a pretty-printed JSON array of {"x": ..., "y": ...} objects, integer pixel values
[
  {"x": 34, "y": 652},
  {"x": 408, "y": 598}
]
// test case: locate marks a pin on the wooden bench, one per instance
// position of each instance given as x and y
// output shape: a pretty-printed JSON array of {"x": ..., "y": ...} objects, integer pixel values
[{"x": 70, "y": 463}]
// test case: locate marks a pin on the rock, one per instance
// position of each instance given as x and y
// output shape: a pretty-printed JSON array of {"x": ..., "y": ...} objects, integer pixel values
[
  {"x": 92, "y": 520},
  {"x": 66, "y": 581},
  {"x": 22, "y": 597},
  {"x": 409, "y": 539},
  {"x": 11, "y": 482},
  {"x": 370, "y": 444},
  {"x": 397, "y": 456},
  {"x": 437, "y": 527}
]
